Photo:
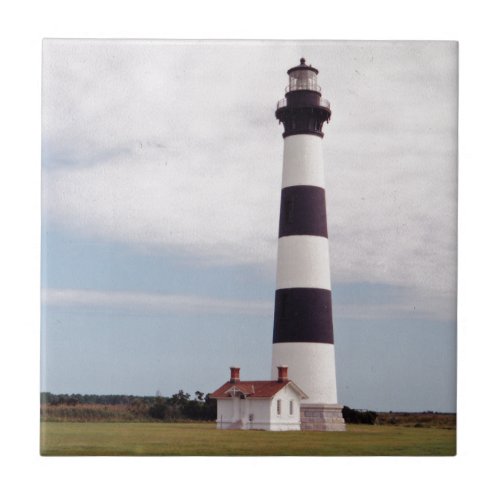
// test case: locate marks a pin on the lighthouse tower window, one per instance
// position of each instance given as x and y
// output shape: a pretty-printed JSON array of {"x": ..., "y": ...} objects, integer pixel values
[
  {"x": 283, "y": 311},
  {"x": 289, "y": 209}
]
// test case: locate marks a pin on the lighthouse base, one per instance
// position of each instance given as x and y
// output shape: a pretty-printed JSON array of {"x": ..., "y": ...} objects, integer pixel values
[{"x": 321, "y": 417}]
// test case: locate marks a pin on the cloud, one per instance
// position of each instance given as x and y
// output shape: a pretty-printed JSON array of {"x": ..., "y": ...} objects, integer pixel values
[
  {"x": 149, "y": 302},
  {"x": 408, "y": 303},
  {"x": 401, "y": 306},
  {"x": 171, "y": 146}
]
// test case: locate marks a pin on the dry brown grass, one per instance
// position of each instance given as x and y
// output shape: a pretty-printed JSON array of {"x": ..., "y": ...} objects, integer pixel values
[
  {"x": 91, "y": 413},
  {"x": 427, "y": 419}
]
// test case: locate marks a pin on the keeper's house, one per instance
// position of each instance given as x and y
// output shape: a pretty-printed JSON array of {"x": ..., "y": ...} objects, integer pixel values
[{"x": 271, "y": 405}]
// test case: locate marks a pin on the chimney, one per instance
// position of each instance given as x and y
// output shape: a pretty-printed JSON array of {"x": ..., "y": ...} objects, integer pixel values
[
  {"x": 235, "y": 374},
  {"x": 282, "y": 373}
]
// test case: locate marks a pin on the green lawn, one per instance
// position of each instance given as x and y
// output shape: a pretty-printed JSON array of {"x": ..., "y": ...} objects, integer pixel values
[{"x": 203, "y": 439}]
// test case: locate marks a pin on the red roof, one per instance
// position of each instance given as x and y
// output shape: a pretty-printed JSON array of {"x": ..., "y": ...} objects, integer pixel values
[{"x": 252, "y": 388}]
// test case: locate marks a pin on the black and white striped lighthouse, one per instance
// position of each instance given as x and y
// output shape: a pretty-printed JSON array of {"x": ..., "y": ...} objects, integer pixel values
[{"x": 303, "y": 325}]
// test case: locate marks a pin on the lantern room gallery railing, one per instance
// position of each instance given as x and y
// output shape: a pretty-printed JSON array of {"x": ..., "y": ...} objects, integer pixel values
[{"x": 325, "y": 103}]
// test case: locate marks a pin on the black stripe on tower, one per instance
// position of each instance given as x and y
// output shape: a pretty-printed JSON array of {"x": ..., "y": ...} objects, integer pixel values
[
  {"x": 303, "y": 315},
  {"x": 303, "y": 211}
]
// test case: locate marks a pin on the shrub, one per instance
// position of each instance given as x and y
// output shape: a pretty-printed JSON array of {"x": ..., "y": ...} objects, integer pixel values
[
  {"x": 158, "y": 409},
  {"x": 358, "y": 416}
]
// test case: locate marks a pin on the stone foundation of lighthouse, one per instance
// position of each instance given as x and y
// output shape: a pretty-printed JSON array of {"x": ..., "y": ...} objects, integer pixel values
[{"x": 303, "y": 325}]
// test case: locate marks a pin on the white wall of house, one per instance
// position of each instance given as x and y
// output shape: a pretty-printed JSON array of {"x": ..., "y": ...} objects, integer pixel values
[
  {"x": 286, "y": 420},
  {"x": 236, "y": 413},
  {"x": 254, "y": 413}
]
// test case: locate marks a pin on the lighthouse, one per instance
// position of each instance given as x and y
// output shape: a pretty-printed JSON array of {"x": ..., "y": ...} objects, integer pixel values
[{"x": 303, "y": 323}]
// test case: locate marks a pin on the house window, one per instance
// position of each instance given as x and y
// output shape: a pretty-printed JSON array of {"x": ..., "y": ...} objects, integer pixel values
[
  {"x": 291, "y": 407},
  {"x": 279, "y": 406}
]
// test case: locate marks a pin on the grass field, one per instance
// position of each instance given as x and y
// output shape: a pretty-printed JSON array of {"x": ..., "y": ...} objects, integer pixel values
[{"x": 71, "y": 438}]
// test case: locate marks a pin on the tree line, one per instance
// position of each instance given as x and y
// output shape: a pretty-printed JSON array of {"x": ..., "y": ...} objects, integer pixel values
[{"x": 178, "y": 406}]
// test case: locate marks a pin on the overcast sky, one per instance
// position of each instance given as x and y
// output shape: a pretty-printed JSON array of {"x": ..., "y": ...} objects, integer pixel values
[{"x": 161, "y": 192}]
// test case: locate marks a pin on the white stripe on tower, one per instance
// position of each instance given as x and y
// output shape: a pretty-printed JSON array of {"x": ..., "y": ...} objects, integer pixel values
[
  {"x": 303, "y": 326},
  {"x": 313, "y": 367},
  {"x": 303, "y": 262},
  {"x": 303, "y": 161}
]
